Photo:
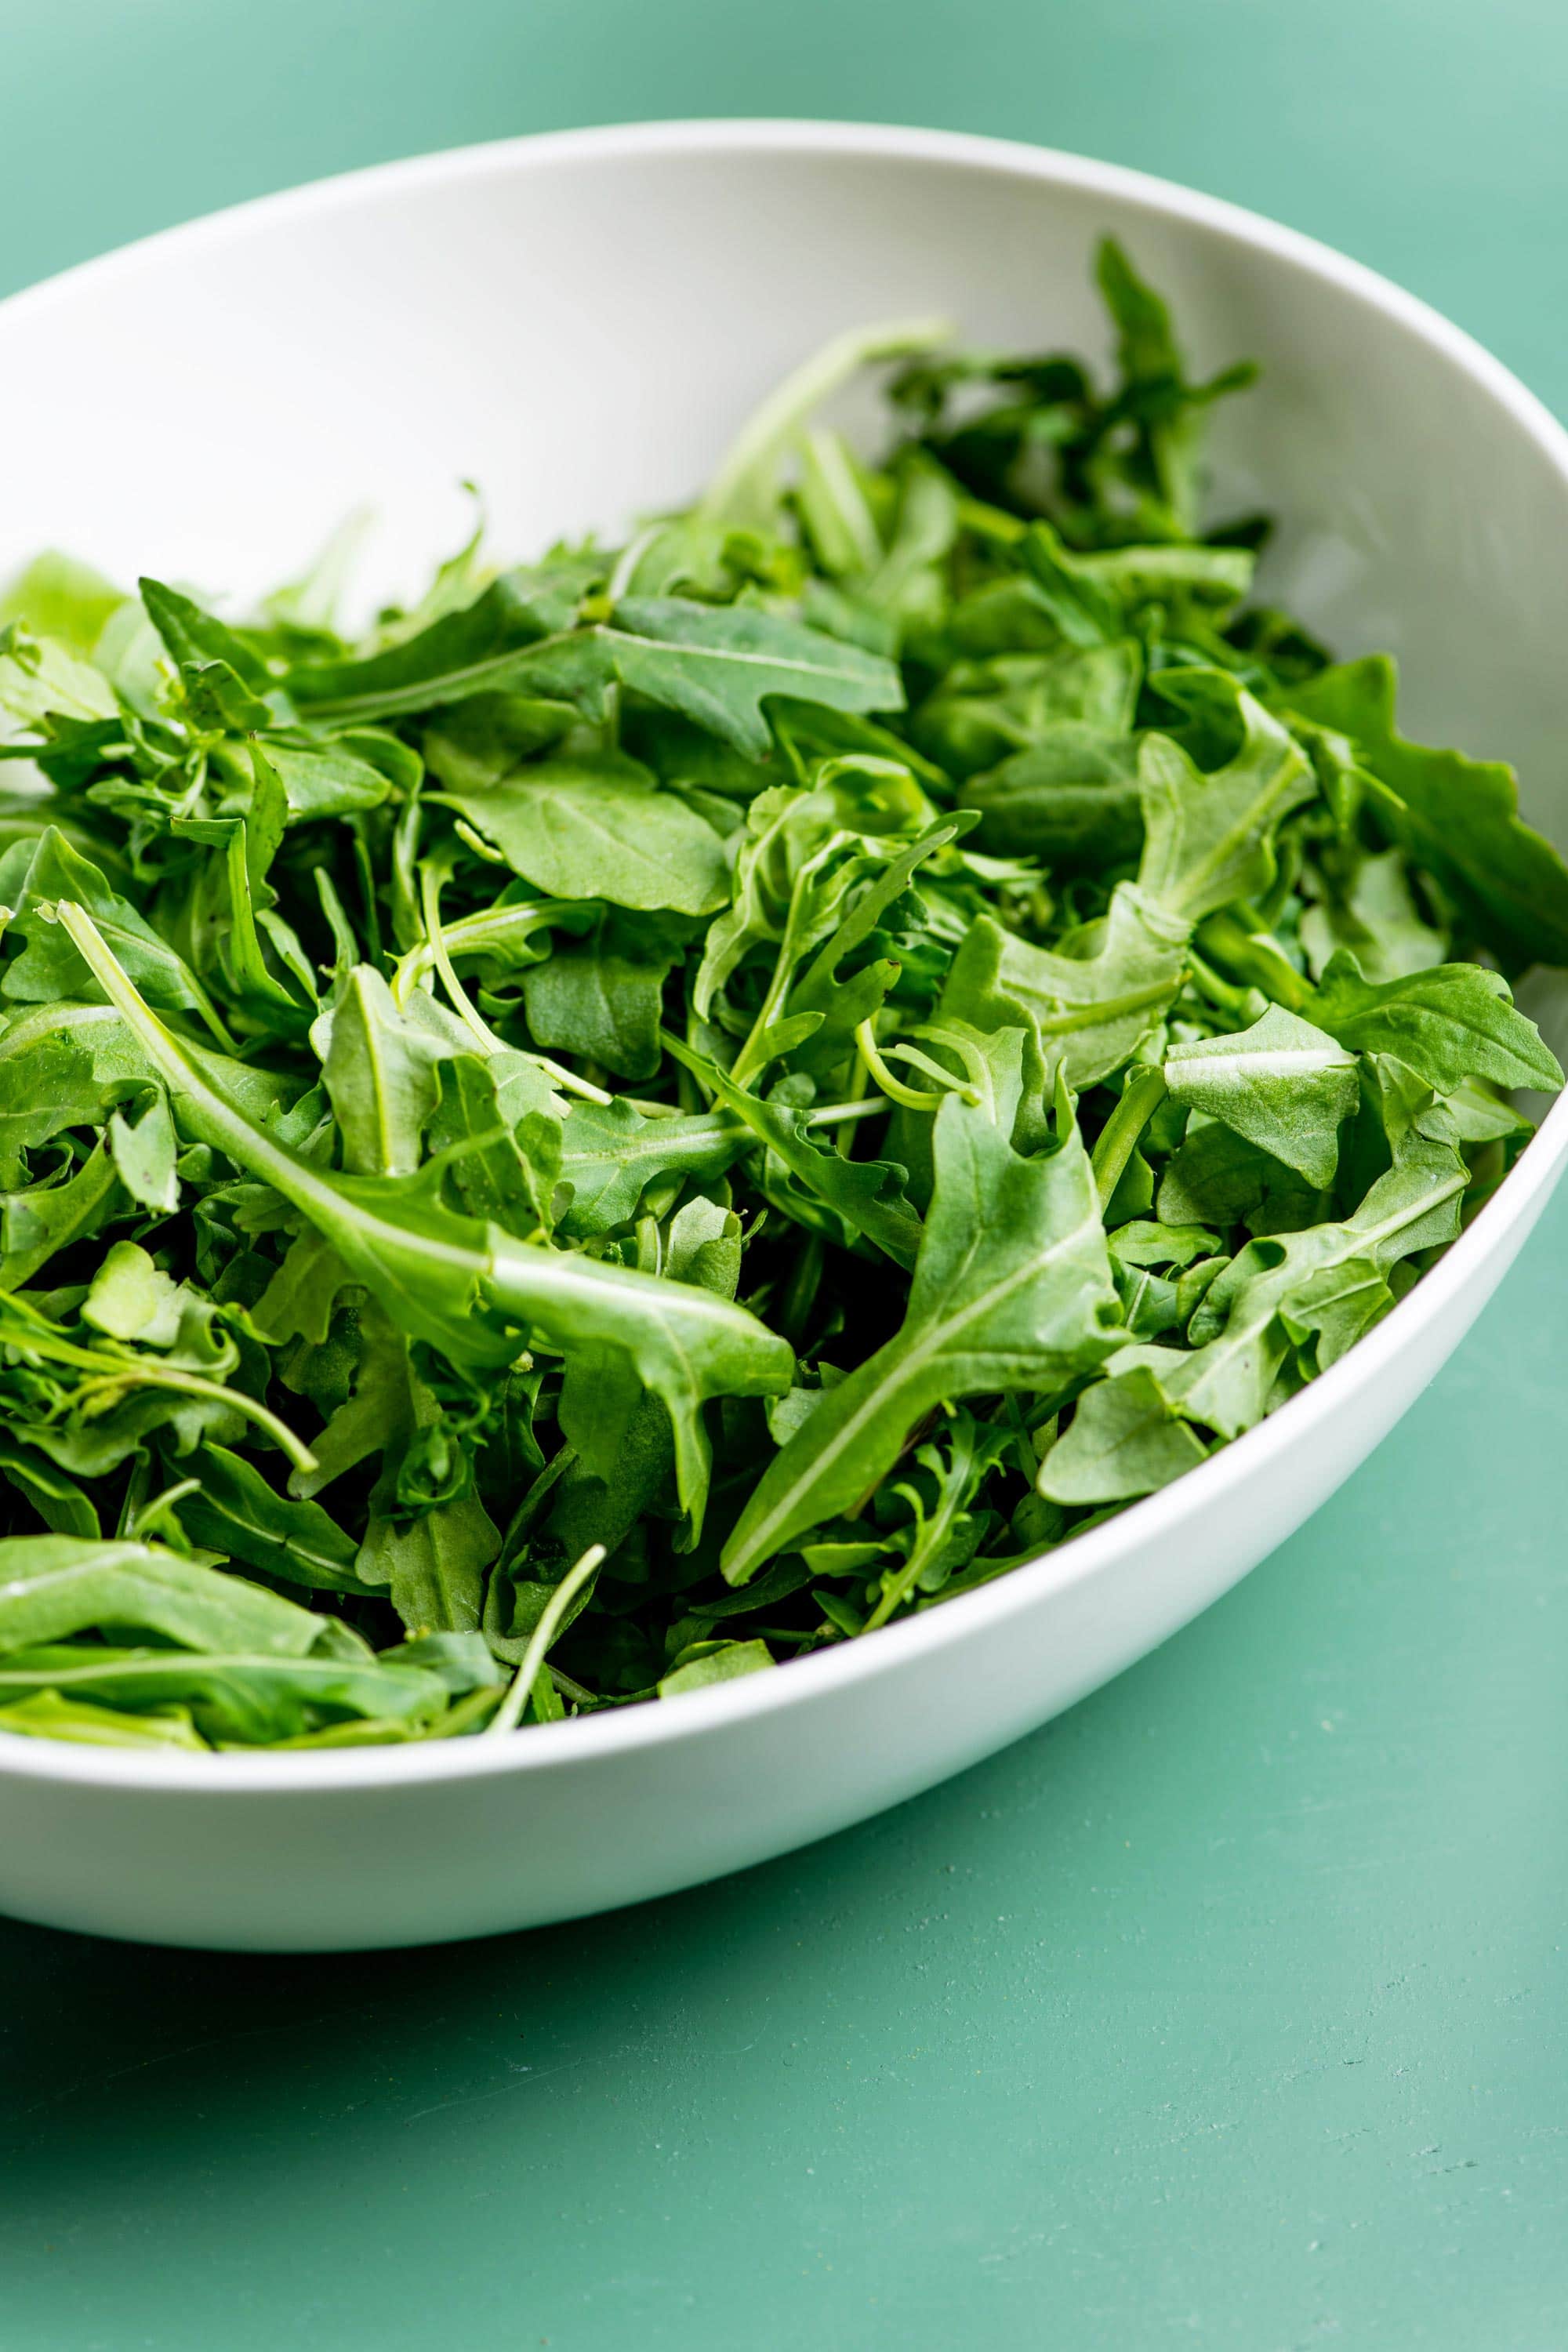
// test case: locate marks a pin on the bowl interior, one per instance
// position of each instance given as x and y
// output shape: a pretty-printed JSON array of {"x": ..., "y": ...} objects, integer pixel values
[{"x": 577, "y": 324}]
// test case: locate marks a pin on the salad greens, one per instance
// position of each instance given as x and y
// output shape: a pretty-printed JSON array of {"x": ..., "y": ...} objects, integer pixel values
[{"x": 661, "y": 1110}]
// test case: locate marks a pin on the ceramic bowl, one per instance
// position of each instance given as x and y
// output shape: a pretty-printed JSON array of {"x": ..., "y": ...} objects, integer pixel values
[{"x": 579, "y": 322}]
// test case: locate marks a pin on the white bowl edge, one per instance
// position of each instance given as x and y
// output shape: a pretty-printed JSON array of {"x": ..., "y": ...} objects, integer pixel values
[{"x": 1497, "y": 1230}]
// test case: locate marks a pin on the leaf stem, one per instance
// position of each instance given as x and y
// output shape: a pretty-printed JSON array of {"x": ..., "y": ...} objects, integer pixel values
[
  {"x": 933, "y": 1534},
  {"x": 1248, "y": 954},
  {"x": 430, "y": 907},
  {"x": 160, "y": 1376},
  {"x": 841, "y": 1114},
  {"x": 507, "y": 1715},
  {"x": 893, "y": 1086},
  {"x": 1141, "y": 1098}
]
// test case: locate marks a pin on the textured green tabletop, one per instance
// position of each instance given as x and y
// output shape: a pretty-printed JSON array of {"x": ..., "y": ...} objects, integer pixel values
[{"x": 1230, "y": 2010}]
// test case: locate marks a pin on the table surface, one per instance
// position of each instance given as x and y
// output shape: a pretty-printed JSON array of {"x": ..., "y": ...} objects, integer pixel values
[{"x": 1233, "y": 2008}]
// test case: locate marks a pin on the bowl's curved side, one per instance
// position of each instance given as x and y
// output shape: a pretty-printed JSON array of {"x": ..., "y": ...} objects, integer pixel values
[
  {"x": 660, "y": 278},
  {"x": 348, "y": 1864}
]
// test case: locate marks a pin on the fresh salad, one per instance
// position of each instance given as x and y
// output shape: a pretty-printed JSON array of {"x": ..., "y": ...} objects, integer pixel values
[{"x": 667, "y": 1108}]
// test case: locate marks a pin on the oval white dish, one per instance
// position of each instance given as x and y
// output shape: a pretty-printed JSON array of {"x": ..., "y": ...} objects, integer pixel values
[{"x": 578, "y": 322}]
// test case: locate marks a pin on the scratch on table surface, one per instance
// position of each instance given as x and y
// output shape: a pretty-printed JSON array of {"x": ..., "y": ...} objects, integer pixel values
[
  {"x": 523, "y": 2079},
  {"x": 186, "y": 2050}
]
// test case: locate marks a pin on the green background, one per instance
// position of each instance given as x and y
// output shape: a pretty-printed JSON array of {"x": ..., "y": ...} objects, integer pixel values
[{"x": 1232, "y": 2009}]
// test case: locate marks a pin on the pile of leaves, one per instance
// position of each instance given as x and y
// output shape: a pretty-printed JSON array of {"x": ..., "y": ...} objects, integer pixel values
[{"x": 667, "y": 1108}]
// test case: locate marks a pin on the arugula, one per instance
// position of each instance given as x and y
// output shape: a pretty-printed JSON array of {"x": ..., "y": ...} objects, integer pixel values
[{"x": 659, "y": 1111}]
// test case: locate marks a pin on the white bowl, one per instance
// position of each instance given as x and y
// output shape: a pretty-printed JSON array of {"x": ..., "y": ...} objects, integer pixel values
[{"x": 578, "y": 322}]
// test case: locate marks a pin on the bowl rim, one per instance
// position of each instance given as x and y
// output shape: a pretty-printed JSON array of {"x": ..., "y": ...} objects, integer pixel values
[{"x": 709, "y": 1712}]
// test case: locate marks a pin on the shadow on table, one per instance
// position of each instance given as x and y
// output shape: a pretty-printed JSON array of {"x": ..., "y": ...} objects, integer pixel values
[{"x": 103, "y": 2042}]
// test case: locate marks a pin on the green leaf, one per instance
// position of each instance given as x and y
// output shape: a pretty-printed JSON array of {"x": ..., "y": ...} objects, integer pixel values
[
  {"x": 56, "y": 596},
  {"x": 985, "y": 709},
  {"x": 602, "y": 996},
  {"x": 720, "y": 1662},
  {"x": 1155, "y": 390},
  {"x": 861, "y": 1196},
  {"x": 1240, "y": 1340},
  {"x": 1124, "y": 1439},
  {"x": 518, "y": 637},
  {"x": 47, "y": 1218},
  {"x": 42, "y": 680},
  {"x": 144, "y": 1156},
  {"x": 1074, "y": 798},
  {"x": 610, "y": 1155},
  {"x": 52, "y": 1586},
  {"x": 130, "y": 1298},
  {"x": 237, "y": 1512},
  {"x": 1091, "y": 1007},
  {"x": 720, "y": 663},
  {"x": 434, "y": 1272},
  {"x": 1456, "y": 816},
  {"x": 596, "y": 825},
  {"x": 1282, "y": 1084},
  {"x": 245, "y": 1701},
  {"x": 193, "y": 637},
  {"x": 434, "y": 1566},
  {"x": 1012, "y": 1289},
  {"x": 32, "y": 878},
  {"x": 1455, "y": 1022},
  {"x": 379, "y": 1066},
  {"x": 744, "y": 493},
  {"x": 1376, "y": 919},
  {"x": 57, "y": 1499},
  {"x": 1217, "y": 1177},
  {"x": 1209, "y": 839},
  {"x": 331, "y": 779},
  {"x": 48, "y": 1714}
]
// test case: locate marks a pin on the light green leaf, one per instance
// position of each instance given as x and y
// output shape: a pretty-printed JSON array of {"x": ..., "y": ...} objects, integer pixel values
[
  {"x": 1124, "y": 1439},
  {"x": 720, "y": 663},
  {"x": 52, "y": 1586},
  {"x": 1455, "y": 1022},
  {"x": 1209, "y": 839},
  {"x": 1012, "y": 1289},
  {"x": 1282, "y": 1084},
  {"x": 596, "y": 825},
  {"x": 1092, "y": 1007}
]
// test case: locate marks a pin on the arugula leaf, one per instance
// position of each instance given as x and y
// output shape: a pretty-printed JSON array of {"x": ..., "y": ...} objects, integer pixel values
[
  {"x": 1239, "y": 1339},
  {"x": 238, "y": 1701},
  {"x": 596, "y": 826},
  {"x": 379, "y": 1069},
  {"x": 720, "y": 663},
  {"x": 1012, "y": 1289},
  {"x": 603, "y": 996},
  {"x": 519, "y": 634},
  {"x": 1208, "y": 839},
  {"x": 859, "y": 1196},
  {"x": 52, "y": 1586},
  {"x": 610, "y": 1155},
  {"x": 1125, "y": 1439},
  {"x": 1457, "y": 817},
  {"x": 433, "y": 1567},
  {"x": 1281, "y": 1083},
  {"x": 1092, "y": 1000},
  {"x": 235, "y": 1511},
  {"x": 1074, "y": 798},
  {"x": 657, "y": 1111},
  {"x": 33, "y": 877},
  {"x": 193, "y": 637},
  {"x": 435, "y": 1272},
  {"x": 1452, "y": 1023}
]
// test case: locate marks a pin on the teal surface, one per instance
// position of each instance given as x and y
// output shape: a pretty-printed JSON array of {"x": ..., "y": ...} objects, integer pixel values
[{"x": 1230, "y": 2010}]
